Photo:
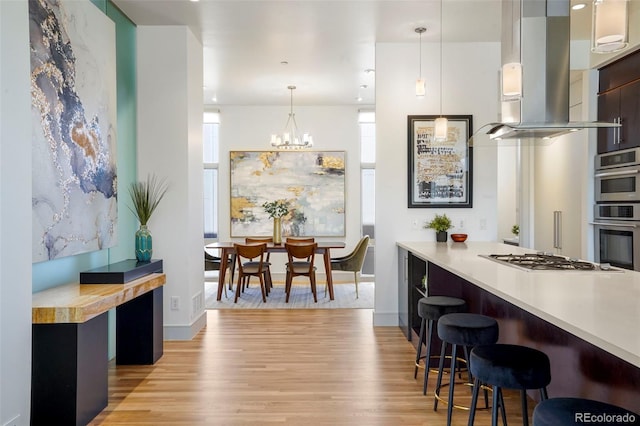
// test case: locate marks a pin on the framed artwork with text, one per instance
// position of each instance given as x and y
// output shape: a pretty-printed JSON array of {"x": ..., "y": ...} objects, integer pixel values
[{"x": 440, "y": 171}]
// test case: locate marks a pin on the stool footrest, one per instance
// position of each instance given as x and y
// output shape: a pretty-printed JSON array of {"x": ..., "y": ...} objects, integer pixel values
[{"x": 436, "y": 394}]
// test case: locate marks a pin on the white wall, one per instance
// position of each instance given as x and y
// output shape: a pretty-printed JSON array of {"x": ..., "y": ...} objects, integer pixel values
[
  {"x": 15, "y": 214},
  {"x": 170, "y": 146},
  {"x": 508, "y": 212},
  {"x": 466, "y": 90},
  {"x": 562, "y": 173},
  {"x": 334, "y": 128}
]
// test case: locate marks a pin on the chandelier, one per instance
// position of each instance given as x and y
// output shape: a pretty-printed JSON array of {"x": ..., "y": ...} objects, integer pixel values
[{"x": 290, "y": 138}]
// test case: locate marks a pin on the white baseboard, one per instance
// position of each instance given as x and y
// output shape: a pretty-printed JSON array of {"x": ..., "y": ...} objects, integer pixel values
[
  {"x": 385, "y": 319},
  {"x": 187, "y": 331}
]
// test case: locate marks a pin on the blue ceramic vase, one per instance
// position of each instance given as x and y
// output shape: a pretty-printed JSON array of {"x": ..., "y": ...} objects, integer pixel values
[{"x": 144, "y": 244}]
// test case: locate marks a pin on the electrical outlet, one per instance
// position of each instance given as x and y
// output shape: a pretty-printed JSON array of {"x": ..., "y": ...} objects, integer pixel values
[
  {"x": 461, "y": 224},
  {"x": 483, "y": 224},
  {"x": 175, "y": 303},
  {"x": 415, "y": 224}
]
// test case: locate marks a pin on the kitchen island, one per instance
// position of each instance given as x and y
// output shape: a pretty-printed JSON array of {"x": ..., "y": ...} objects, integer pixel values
[{"x": 587, "y": 322}]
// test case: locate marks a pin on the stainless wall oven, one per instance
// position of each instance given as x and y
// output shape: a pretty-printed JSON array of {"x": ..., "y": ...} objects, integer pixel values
[
  {"x": 619, "y": 184},
  {"x": 617, "y": 234},
  {"x": 617, "y": 209}
]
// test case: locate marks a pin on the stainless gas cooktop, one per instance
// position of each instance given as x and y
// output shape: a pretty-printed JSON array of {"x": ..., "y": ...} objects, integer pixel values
[{"x": 547, "y": 262}]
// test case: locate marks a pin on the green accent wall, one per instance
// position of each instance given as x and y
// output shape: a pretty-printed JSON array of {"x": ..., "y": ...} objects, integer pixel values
[{"x": 66, "y": 270}]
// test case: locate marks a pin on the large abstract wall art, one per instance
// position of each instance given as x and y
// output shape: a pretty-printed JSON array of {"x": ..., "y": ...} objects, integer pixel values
[
  {"x": 73, "y": 95},
  {"x": 311, "y": 183}
]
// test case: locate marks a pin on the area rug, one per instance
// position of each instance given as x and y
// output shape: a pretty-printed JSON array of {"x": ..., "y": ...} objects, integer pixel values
[{"x": 300, "y": 298}]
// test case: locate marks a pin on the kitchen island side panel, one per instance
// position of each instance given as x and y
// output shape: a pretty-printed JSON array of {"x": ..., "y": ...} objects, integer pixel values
[{"x": 578, "y": 368}]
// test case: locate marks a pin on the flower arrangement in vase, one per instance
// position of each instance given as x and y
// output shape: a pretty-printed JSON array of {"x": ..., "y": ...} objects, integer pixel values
[
  {"x": 145, "y": 197},
  {"x": 441, "y": 224},
  {"x": 276, "y": 209}
]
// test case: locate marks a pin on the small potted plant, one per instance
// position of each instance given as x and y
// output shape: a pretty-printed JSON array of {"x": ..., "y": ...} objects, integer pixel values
[
  {"x": 441, "y": 224},
  {"x": 515, "y": 230},
  {"x": 276, "y": 209}
]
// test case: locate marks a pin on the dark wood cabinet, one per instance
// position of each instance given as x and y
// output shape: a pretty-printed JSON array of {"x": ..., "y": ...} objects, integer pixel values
[
  {"x": 621, "y": 105},
  {"x": 410, "y": 290},
  {"x": 619, "y": 102}
]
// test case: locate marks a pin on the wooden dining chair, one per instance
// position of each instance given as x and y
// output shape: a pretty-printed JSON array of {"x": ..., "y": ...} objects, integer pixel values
[
  {"x": 301, "y": 257},
  {"x": 258, "y": 240},
  {"x": 248, "y": 266},
  {"x": 300, "y": 240}
]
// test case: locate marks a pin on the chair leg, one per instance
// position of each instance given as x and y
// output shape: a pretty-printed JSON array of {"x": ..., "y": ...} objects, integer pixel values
[
  {"x": 474, "y": 401},
  {"x": 419, "y": 350},
  {"x": 439, "y": 381},
  {"x": 525, "y": 413},
  {"x": 427, "y": 356},
  {"x": 452, "y": 381},
  {"x": 287, "y": 286},
  {"x": 238, "y": 285},
  {"x": 267, "y": 281},
  {"x": 262, "y": 287},
  {"x": 355, "y": 274},
  {"x": 226, "y": 296},
  {"x": 312, "y": 278},
  {"x": 503, "y": 410},
  {"x": 494, "y": 407},
  {"x": 543, "y": 394}
]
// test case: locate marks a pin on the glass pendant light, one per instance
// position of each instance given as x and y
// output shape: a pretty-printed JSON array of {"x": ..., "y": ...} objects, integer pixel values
[
  {"x": 441, "y": 123},
  {"x": 610, "y": 27},
  {"x": 420, "y": 84}
]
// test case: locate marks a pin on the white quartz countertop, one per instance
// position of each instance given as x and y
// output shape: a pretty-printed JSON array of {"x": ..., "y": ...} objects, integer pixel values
[{"x": 600, "y": 307}]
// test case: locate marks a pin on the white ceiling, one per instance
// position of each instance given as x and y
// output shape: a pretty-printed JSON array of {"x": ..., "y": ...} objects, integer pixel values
[{"x": 328, "y": 44}]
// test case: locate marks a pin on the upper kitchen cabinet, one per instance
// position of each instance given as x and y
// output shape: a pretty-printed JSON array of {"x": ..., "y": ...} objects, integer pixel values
[{"x": 619, "y": 102}]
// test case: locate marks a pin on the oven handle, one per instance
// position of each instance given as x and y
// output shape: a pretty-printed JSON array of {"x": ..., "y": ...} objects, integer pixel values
[
  {"x": 618, "y": 173},
  {"x": 624, "y": 225}
]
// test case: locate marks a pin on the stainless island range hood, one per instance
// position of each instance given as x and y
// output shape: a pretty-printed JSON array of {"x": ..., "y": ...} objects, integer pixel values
[{"x": 536, "y": 35}]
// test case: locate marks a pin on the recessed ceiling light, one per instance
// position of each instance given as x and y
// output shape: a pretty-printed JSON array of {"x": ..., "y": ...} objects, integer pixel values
[
  {"x": 578, "y": 6},
  {"x": 359, "y": 99},
  {"x": 363, "y": 86},
  {"x": 214, "y": 98},
  {"x": 284, "y": 63},
  {"x": 369, "y": 71}
]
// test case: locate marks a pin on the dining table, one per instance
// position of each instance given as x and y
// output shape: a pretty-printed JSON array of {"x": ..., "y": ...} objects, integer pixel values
[{"x": 324, "y": 248}]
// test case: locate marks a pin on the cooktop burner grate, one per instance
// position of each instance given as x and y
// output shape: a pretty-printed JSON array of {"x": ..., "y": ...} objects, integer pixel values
[{"x": 546, "y": 262}]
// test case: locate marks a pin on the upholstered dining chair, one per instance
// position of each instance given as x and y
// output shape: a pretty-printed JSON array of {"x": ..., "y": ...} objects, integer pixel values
[
  {"x": 213, "y": 263},
  {"x": 248, "y": 266},
  {"x": 351, "y": 262},
  {"x": 301, "y": 257}
]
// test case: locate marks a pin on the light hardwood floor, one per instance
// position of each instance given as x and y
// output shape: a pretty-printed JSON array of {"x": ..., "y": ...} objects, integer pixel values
[{"x": 297, "y": 367}]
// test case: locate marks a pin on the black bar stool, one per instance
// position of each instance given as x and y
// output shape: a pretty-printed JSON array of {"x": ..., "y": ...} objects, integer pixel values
[
  {"x": 430, "y": 309},
  {"x": 512, "y": 367},
  {"x": 579, "y": 411},
  {"x": 466, "y": 330}
]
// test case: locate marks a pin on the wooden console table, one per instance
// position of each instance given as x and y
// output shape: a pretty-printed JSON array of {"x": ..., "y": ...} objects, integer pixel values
[{"x": 70, "y": 344}]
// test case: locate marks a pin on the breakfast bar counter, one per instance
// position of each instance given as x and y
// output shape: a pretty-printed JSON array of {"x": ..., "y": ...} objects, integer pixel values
[{"x": 588, "y": 322}]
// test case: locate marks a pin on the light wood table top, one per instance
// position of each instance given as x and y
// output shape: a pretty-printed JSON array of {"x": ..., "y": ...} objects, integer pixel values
[{"x": 78, "y": 303}]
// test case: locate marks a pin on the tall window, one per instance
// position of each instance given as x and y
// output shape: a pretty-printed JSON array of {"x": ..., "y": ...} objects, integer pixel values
[
  {"x": 367, "y": 121},
  {"x": 210, "y": 145}
]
